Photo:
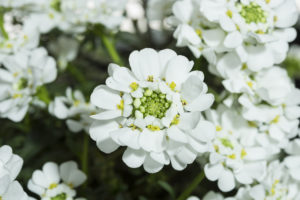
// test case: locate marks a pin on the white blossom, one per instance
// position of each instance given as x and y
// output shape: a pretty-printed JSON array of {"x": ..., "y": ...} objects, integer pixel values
[{"x": 154, "y": 110}]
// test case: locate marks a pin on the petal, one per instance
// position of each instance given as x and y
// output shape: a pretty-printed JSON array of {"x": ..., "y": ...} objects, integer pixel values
[
  {"x": 201, "y": 103},
  {"x": 134, "y": 158},
  {"x": 50, "y": 170},
  {"x": 145, "y": 63},
  {"x": 233, "y": 40},
  {"x": 176, "y": 134},
  {"x": 226, "y": 181},
  {"x": 152, "y": 141},
  {"x": 178, "y": 69},
  {"x": 106, "y": 98},
  {"x": 205, "y": 131},
  {"x": 152, "y": 166},
  {"x": 213, "y": 172}
]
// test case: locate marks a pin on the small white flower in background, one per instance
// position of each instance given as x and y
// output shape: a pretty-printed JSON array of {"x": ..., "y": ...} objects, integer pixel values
[
  {"x": 253, "y": 31},
  {"x": 9, "y": 162},
  {"x": 74, "y": 15},
  {"x": 65, "y": 49},
  {"x": 154, "y": 110},
  {"x": 10, "y": 167},
  {"x": 292, "y": 161},
  {"x": 57, "y": 182},
  {"x": 236, "y": 156},
  {"x": 75, "y": 109},
  {"x": 277, "y": 184},
  {"x": 21, "y": 76},
  {"x": 15, "y": 3},
  {"x": 19, "y": 37},
  {"x": 211, "y": 195}
]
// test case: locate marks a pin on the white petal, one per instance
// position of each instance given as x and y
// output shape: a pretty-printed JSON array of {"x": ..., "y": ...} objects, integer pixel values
[
  {"x": 201, "y": 103},
  {"x": 213, "y": 172},
  {"x": 176, "y": 134},
  {"x": 152, "y": 166},
  {"x": 104, "y": 97},
  {"x": 233, "y": 40},
  {"x": 226, "y": 181},
  {"x": 134, "y": 158}
]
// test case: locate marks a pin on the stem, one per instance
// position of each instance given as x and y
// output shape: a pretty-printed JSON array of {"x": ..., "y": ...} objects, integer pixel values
[
  {"x": 78, "y": 75},
  {"x": 2, "y": 29},
  {"x": 111, "y": 49},
  {"x": 197, "y": 180},
  {"x": 85, "y": 152}
]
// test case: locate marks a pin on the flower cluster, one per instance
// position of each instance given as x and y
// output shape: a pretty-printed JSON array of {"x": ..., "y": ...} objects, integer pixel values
[
  {"x": 10, "y": 167},
  {"x": 55, "y": 182}
]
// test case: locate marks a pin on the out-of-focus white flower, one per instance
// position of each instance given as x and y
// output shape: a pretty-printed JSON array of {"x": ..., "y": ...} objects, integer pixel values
[
  {"x": 211, "y": 195},
  {"x": 292, "y": 161},
  {"x": 235, "y": 158},
  {"x": 10, "y": 167},
  {"x": 19, "y": 37},
  {"x": 154, "y": 110},
  {"x": 22, "y": 74},
  {"x": 65, "y": 49},
  {"x": 277, "y": 184},
  {"x": 75, "y": 109},
  {"x": 10, "y": 162},
  {"x": 74, "y": 15},
  {"x": 253, "y": 32},
  {"x": 57, "y": 182}
]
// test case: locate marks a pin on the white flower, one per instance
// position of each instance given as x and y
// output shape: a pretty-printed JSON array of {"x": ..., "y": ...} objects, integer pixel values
[
  {"x": 19, "y": 37},
  {"x": 22, "y": 75},
  {"x": 218, "y": 28},
  {"x": 276, "y": 185},
  {"x": 211, "y": 195},
  {"x": 57, "y": 182},
  {"x": 292, "y": 161},
  {"x": 75, "y": 109},
  {"x": 10, "y": 167},
  {"x": 11, "y": 190},
  {"x": 236, "y": 158},
  {"x": 153, "y": 110},
  {"x": 74, "y": 15},
  {"x": 9, "y": 162},
  {"x": 65, "y": 49}
]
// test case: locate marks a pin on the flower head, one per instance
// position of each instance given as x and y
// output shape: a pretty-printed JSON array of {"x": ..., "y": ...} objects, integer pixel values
[
  {"x": 55, "y": 182},
  {"x": 153, "y": 110}
]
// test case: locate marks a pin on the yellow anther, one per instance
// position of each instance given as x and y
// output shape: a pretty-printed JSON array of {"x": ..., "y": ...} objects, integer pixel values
[
  {"x": 71, "y": 185},
  {"x": 52, "y": 186},
  {"x": 25, "y": 37},
  {"x": 243, "y": 153},
  {"x": 199, "y": 32},
  {"x": 184, "y": 102},
  {"x": 232, "y": 156},
  {"x": 153, "y": 128},
  {"x": 9, "y": 45},
  {"x": 217, "y": 149},
  {"x": 150, "y": 78},
  {"x": 134, "y": 86},
  {"x": 176, "y": 120},
  {"x": 260, "y": 31},
  {"x": 121, "y": 105},
  {"x": 275, "y": 120},
  {"x": 15, "y": 74},
  {"x": 51, "y": 15},
  {"x": 268, "y": 1},
  {"x": 76, "y": 103},
  {"x": 173, "y": 86},
  {"x": 229, "y": 13},
  {"x": 120, "y": 126},
  {"x": 252, "y": 124},
  {"x": 15, "y": 96},
  {"x": 218, "y": 128},
  {"x": 250, "y": 84},
  {"x": 275, "y": 18}
]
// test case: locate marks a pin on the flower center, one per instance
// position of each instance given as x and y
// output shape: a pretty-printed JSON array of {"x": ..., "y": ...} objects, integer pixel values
[
  {"x": 21, "y": 84},
  {"x": 153, "y": 103},
  {"x": 253, "y": 13},
  {"x": 62, "y": 196}
]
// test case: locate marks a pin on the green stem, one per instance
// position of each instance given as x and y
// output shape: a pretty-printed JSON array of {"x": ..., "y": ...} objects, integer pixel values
[
  {"x": 78, "y": 75},
  {"x": 111, "y": 49},
  {"x": 85, "y": 152},
  {"x": 197, "y": 180},
  {"x": 2, "y": 29}
]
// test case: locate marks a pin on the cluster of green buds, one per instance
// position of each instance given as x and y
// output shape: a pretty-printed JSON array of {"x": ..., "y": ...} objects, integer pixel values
[
  {"x": 153, "y": 103},
  {"x": 62, "y": 196},
  {"x": 253, "y": 13}
]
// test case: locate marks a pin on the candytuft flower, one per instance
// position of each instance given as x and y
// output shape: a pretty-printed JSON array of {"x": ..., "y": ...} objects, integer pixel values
[
  {"x": 57, "y": 182},
  {"x": 154, "y": 110}
]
